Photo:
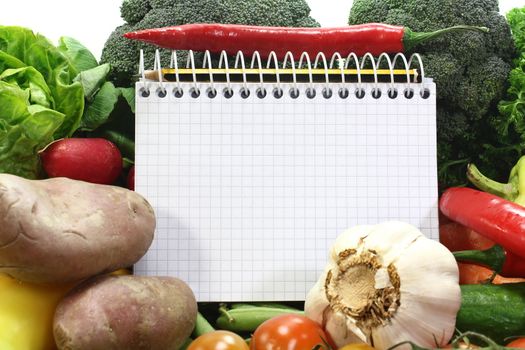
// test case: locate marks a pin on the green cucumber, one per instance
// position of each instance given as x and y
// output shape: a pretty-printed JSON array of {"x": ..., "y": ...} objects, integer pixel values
[{"x": 497, "y": 311}]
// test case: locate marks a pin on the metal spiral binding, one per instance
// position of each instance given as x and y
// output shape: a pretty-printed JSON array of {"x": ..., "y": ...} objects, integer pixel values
[{"x": 335, "y": 62}]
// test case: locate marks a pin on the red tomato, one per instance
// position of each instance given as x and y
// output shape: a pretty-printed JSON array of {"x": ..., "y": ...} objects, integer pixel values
[
  {"x": 219, "y": 340},
  {"x": 517, "y": 343},
  {"x": 93, "y": 160},
  {"x": 288, "y": 332}
]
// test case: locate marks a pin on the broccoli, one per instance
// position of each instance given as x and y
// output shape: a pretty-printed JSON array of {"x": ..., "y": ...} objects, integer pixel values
[
  {"x": 122, "y": 53},
  {"x": 470, "y": 70}
]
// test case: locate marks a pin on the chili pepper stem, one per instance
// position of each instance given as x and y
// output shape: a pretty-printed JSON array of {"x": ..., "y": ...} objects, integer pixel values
[
  {"x": 488, "y": 185},
  {"x": 412, "y": 39},
  {"x": 493, "y": 257},
  {"x": 517, "y": 179}
]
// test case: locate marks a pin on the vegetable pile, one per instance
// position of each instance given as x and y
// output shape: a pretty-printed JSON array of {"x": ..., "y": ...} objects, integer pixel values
[{"x": 69, "y": 234}]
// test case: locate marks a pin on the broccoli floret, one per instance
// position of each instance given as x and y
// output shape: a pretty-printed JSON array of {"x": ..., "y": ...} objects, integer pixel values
[
  {"x": 132, "y": 11},
  {"x": 123, "y": 53},
  {"x": 470, "y": 70}
]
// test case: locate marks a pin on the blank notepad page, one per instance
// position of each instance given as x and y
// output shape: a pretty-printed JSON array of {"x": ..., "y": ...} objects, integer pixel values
[{"x": 250, "y": 193}]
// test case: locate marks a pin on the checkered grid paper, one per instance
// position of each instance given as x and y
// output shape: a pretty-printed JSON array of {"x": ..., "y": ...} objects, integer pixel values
[{"x": 249, "y": 193}]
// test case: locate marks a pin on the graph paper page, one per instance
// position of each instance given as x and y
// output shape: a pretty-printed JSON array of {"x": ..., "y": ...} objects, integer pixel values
[{"x": 250, "y": 193}]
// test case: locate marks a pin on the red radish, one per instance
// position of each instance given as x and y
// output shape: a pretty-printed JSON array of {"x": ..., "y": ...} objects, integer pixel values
[
  {"x": 94, "y": 160},
  {"x": 131, "y": 178}
]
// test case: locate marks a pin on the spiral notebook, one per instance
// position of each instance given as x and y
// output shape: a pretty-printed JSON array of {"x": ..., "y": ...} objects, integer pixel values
[{"x": 254, "y": 169}]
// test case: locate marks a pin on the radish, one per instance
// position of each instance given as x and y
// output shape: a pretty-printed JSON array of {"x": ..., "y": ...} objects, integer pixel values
[{"x": 94, "y": 160}]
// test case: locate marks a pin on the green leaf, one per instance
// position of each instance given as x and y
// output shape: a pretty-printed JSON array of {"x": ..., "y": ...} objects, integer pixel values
[
  {"x": 129, "y": 95},
  {"x": 124, "y": 143},
  {"x": 92, "y": 79},
  {"x": 99, "y": 111},
  {"x": 29, "y": 78},
  {"x": 9, "y": 61},
  {"x": 512, "y": 111},
  {"x": 81, "y": 58},
  {"x": 516, "y": 20},
  {"x": 24, "y": 130},
  {"x": 35, "y": 50}
]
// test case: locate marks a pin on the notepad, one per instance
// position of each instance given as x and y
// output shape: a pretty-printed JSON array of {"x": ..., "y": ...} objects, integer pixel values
[{"x": 251, "y": 188}]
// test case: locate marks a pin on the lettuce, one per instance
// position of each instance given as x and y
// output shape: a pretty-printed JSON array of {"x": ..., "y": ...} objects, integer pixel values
[
  {"x": 47, "y": 92},
  {"x": 25, "y": 129},
  {"x": 34, "y": 50}
]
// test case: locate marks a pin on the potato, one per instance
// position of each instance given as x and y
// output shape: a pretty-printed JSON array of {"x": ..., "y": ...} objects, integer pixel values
[
  {"x": 62, "y": 230},
  {"x": 126, "y": 312}
]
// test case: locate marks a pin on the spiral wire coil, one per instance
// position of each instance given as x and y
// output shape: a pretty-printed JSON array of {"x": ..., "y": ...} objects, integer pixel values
[{"x": 351, "y": 61}]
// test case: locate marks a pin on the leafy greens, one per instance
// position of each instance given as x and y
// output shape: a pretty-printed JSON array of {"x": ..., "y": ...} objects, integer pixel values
[{"x": 47, "y": 92}]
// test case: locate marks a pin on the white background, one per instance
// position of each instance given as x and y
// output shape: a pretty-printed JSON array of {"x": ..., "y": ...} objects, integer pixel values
[{"x": 92, "y": 21}]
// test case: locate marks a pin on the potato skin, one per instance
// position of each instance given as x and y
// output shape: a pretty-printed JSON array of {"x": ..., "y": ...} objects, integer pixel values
[
  {"x": 126, "y": 312},
  {"x": 63, "y": 230}
]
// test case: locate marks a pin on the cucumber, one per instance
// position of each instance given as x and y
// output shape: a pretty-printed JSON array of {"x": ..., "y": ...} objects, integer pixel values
[{"x": 497, "y": 311}]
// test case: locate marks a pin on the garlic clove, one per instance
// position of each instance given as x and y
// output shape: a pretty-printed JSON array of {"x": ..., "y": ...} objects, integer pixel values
[
  {"x": 348, "y": 330},
  {"x": 350, "y": 238},
  {"x": 391, "y": 239},
  {"x": 430, "y": 297},
  {"x": 318, "y": 308}
]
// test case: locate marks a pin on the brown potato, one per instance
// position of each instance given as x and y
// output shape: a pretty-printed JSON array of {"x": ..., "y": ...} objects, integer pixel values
[
  {"x": 61, "y": 230},
  {"x": 126, "y": 312}
]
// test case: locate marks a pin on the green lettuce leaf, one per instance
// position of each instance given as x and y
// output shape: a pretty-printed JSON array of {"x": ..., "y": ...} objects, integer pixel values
[
  {"x": 8, "y": 61},
  {"x": 36, "y": 51},
  {"x": 24, "y": 130},
  {"x": 92, "y": 79},
  {"x": 99, "y": 111},
  {"x": 81, "y": 58},
  {"x": 30, "y": 78},
  {"x": 129, "y": 95}
]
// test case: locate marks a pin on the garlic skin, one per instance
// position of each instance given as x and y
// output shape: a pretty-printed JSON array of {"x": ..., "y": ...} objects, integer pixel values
[{"x": 386, "y": 284}]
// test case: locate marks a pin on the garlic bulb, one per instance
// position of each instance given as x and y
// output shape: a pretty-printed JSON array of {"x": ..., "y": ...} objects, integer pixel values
[{"x": 386, "y": 284}]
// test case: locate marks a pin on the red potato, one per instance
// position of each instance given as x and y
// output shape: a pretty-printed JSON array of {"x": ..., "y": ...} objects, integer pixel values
[
  {"x": 61, "y": 230},
  {"x": 126, "y": 312},
  {"x": 93, "y": 160}
]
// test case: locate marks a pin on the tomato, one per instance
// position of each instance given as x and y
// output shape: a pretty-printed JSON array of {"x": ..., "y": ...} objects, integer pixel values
[
  {"x": 357, "y": 346},
  {"x": 517, "y": 343},
  {"x": 288, "y": 332},
  {"x": 219, "y": 340}
]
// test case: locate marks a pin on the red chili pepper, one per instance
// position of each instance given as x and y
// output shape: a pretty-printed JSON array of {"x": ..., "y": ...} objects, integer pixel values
[
  {"x": 375, "y": 38},
  {"x": 514, "y": 265},
  {"x": 496, "y": 218}
]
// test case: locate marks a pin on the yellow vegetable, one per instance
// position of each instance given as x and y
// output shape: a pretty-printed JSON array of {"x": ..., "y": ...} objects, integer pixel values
[
  {"x": 27, "y": 311},
  {"x": 26, "y": 314}
]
